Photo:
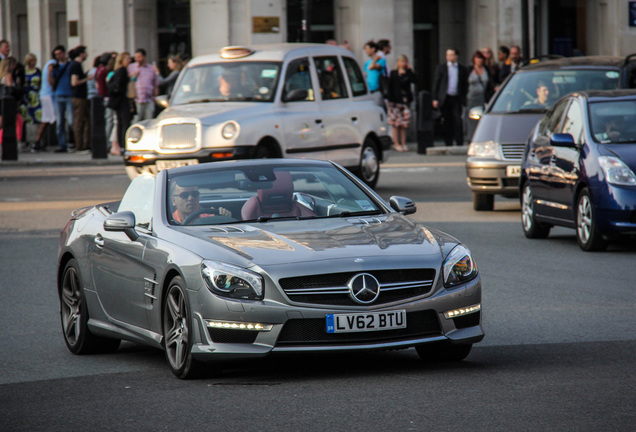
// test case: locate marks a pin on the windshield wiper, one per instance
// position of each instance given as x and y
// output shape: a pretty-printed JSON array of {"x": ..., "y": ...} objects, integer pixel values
[
  {"x": 347, "y": 213},
  {"x": 269, "y": 218},
  {"x": 204, "y": 101}
]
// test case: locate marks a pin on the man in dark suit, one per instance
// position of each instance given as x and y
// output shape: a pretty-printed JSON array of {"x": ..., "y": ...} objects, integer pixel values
[{"x": 449, "y": 96}]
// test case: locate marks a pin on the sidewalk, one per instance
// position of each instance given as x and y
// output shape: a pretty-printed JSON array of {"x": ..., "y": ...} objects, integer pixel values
[{"x": 51, "y": 158}]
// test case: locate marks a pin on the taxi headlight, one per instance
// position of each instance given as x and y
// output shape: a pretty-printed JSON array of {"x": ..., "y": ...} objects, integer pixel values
[
  {"x": 483, "y": 149},
  {"x": 616, "y": 172},
  {"x": 134, "y": 134},
  {"x": 229, "y": 130},
  {"x": 459, "y": 267},
  {"x": 231, "y": 281}
]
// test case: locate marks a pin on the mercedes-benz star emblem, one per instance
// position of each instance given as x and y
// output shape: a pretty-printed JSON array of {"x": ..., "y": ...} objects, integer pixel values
[{"x": 364, "y": 288}]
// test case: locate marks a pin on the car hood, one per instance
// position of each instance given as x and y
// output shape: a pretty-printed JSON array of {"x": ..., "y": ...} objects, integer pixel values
[
  {"x": 625, "y": 152},
  {"x": 388, "y": 238},
  {"x": 215, "y": 112},
  {"x": 506, "y": 128}
]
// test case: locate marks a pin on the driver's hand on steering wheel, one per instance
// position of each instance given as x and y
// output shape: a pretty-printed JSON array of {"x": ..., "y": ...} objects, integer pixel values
[{"x": 224, "y": 212}]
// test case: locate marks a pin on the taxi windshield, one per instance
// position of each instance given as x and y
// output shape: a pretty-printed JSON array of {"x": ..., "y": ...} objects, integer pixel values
[
  {"x": 228, "y": 81},
  {"x": 536, "y": 91}
]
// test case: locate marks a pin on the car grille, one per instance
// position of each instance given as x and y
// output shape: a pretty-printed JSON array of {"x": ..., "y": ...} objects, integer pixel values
[
  {"x": 303, "y": 332},
  {"x": 332, "y": 289},
  {"x": 513, "y": 151},
  {"x": 178, "y": 136}
]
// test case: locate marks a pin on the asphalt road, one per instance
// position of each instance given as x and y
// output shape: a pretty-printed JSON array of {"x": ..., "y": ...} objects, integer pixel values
[{"x": 559, "y": 352}]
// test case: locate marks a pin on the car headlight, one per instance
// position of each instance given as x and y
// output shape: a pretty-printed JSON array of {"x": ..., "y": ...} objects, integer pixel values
[
  {"x": 459, "y": 267},
  {"x": 616, "y": 172},
  {"x": 483, "y": 149},
  {"x": 134, "y": 134},
  {"x": 231, "y": 281},
  {"x": 229, "y": 130}
]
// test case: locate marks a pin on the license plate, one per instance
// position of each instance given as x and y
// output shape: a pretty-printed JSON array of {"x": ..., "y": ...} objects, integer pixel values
[
  {"x": 513, "y": 171},
  {"x": 368, "y": 321},
  {"x": 167, "y": 164}
]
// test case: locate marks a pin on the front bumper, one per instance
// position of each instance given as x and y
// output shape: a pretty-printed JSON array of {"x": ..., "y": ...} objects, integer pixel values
[
  {"x": 303, "y": 329},
  {"x": 616, "y": 211},
  {"x": 492, "y": 176},
  {"x": 148, "y": 158}
]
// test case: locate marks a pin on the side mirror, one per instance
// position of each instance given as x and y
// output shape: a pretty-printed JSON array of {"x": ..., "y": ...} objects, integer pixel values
[
  {"x": 563, "y": 140},
  {"x": 403, "y": 205},
  {"x": 122, "y": 222},
  {"x": 295, "y": 95},
  {"x": 475, "y": 113},
  {"x": 162, "y": 101}
]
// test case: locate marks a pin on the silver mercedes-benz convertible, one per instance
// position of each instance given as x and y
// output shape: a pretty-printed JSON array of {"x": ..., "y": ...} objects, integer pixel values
[{"x": 240, "y": 259}]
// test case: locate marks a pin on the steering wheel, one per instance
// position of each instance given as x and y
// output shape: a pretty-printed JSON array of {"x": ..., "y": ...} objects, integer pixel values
[{"x": 194, "y": 215}]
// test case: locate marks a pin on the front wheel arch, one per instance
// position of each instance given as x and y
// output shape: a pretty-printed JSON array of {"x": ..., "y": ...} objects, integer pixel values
[{"x": 267, "y": 148}]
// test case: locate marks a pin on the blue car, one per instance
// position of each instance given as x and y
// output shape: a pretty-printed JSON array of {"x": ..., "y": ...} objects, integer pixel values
[{"x": 578, "y": 169}]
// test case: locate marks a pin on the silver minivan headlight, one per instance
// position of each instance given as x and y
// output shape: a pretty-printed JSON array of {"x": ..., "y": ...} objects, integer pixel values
[{"x": 483, "y": 149}]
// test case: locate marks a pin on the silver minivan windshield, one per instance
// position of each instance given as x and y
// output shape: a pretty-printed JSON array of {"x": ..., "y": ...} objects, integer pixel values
[
  {"x": 536, "y": 91},
  {"x": 228, "y": 81}
]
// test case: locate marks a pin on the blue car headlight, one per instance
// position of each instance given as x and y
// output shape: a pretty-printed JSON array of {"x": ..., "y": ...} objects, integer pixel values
[
  {"x": 459, "y": 267},
  {"x": 231, "y": 281},
  {"x": 616, "y": 172}
]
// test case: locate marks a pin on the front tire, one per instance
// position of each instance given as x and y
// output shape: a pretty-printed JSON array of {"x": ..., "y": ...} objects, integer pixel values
[
  {"x": 177, "y": 332},
  {"x": 587, "y": 235},
  {"x": 74, "y": 316},
  {"x": 483, "y": 202},
  {"x": 369, "y": 169},
  {"x": 531, "y": 228},
  {"x": 443, "y": 352}
]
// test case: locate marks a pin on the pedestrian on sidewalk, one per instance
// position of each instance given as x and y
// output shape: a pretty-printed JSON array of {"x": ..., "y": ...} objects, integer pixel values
[
  {"x": 146, "y": 86},
  {"x": 79, "y": 99},
  {"x": 60, "y": 80},
  {"x": 400, "y": 98}
]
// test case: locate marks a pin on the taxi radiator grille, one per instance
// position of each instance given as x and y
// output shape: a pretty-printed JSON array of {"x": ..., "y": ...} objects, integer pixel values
[
  {"x": 513, "y": 151},
  {"x": 332, "y": 289},
  {"x": 304, "y": 332},
  {"x": 178, "y": 136}
]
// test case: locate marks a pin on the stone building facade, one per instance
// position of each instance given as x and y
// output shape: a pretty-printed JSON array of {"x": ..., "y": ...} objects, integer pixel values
[{"x": 422, "y": 29}]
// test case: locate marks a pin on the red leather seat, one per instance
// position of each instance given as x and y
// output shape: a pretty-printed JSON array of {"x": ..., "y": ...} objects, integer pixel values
[{"x": 275, "y": 201}]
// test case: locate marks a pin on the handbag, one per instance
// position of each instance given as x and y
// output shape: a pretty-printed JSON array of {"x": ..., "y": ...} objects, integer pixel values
[{"x": 131, "y": 93}]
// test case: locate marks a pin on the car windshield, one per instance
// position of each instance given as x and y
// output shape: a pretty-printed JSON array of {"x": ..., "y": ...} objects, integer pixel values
[
  {"x": 536, "y": 91},
  {"x": 265, "y": 193},
  {"x": 613, "y": 122},
  {"x": 229, "y": 81}
]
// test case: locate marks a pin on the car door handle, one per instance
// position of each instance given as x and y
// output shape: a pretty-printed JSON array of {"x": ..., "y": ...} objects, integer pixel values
[
  {"x": 99, "y": 241},
  {"x": 319, "y": 123},
  {"x": 354, "y": 119}
]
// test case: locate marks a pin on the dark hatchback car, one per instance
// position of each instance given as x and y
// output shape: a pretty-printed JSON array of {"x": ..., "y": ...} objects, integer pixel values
[
  {"x": 494, "y": 158},
  {"x": 578, "y": 169}
]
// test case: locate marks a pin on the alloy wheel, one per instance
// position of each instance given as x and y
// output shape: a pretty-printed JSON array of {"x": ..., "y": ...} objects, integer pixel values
[
  {"x": 71, "y": 312},
  {"x": 176, "y": 328}
]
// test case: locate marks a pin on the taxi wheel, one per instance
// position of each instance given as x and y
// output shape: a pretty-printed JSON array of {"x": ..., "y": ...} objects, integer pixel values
[
  {"x": 531, "y": 228},
  {"x": 438, "y": 352},
  {"x": 587, "y": 235},
  {"x": 369, "y": 169},
  {"x": 483, "y": 202},
  {"x": 267, "y": 150}
]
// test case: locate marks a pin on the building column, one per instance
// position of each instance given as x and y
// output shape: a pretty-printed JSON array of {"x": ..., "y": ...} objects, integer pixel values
[{"x": 210, "y": 25}]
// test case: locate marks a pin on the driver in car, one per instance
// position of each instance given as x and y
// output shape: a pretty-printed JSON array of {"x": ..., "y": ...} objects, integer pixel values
[
  {"x": 542, "y": 96},
  {"x": 185, "y": 201}
]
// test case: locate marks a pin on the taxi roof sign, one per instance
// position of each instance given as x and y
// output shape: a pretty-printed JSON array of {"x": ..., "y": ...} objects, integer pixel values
[{"x": 234, "y": 52}]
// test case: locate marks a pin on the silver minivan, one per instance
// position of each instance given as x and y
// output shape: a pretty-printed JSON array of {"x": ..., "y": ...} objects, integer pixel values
[
  {"x": 270, "y": 101},
  {"x": 494, "y": 158}
]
